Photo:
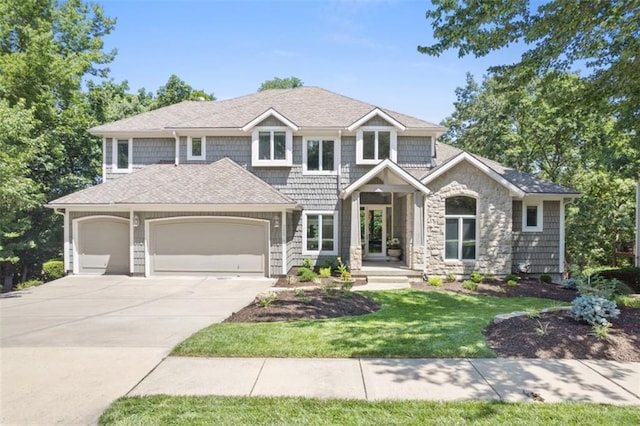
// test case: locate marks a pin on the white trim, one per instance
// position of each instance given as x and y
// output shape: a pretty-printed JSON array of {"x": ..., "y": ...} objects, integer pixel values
[
  {"x": 336, "y": 226},
  {"x": 393, "y": 145},
  {"x": 539, "y": 205},
  {"x": 104, "y": 159},
  {"x": 255, "y": 148},
  {"x": 114, "y": 157},
  {"x": 75, "y": 242},
  {"x": 386, "y": 164},
  {"x": 177, "y": 139},
  {"x": 149, "y": 222},
  {"x": 383, "y": 253},
  {"x": 373, "y": 113},
  {"x": 460, "y": 218},
  {"x": 203, "y": 148},
  {"x": 283, "y": 231},
  {"x": 67, "y": 243},
  {"x": 269, "y": 113},
  {"x": 320, "y": 139},
  {"x": 464, "y": 156},
  {"x": 562, "y": 238},
  {"x": 177, "y": 207},
  {"x": 131, "y": 214}
]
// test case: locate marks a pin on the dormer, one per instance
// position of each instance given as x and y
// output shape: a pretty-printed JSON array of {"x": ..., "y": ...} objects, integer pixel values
[
  {"x": 271, "y": 139},
  {"x": 376, "y": 137}
]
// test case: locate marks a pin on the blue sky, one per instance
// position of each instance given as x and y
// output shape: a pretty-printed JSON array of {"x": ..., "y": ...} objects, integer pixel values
[{"x": 365, "y": 49}]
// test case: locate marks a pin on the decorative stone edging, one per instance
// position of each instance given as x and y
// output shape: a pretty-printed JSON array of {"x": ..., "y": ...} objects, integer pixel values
[{"x": 502, "y": 317}]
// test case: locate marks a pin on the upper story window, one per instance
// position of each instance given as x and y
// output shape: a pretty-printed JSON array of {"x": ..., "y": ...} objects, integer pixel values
[
  {"x": 532, "y": 213},
  {"x": 320, "y": 233},
  {"x": 122, "y": 149},
  {"x": 376, "y": 144},
  {"x": 272, "y": 147},
  {"x": 460, "y": 228},
  {"x": 319, "y": 155},
  {"x": 196, "y": 148}
]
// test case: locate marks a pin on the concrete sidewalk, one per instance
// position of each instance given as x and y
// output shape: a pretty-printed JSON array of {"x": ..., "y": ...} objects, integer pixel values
[{"x": 511, "y": 380}]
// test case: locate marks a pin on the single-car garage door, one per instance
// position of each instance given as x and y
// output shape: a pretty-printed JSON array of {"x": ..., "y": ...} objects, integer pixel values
[
  {"x": 209, "y": 245},
  {"x": 103, "y": 245}
]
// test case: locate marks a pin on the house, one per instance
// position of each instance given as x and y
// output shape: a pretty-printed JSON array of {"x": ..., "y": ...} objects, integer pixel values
[{"x": 252, "y": 185}]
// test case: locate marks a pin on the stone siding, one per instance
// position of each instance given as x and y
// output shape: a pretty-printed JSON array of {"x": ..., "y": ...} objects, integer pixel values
[
  {"x": 493, "y": 221},
  {"x": 541, "y": 250}
]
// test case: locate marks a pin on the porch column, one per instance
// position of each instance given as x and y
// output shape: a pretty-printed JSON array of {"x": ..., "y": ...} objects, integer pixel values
[
  {"x": 355, "y": 249},
  {"x": 417, "y": 255}
]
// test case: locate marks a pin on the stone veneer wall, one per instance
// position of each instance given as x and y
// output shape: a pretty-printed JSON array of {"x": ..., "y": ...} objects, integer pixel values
[{"x": 494, "y": 222}]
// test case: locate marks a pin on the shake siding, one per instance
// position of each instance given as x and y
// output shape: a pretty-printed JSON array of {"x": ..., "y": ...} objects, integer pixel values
[
  {"x": 540, "y": 249},
  {"x": 145, "y": 151},
  {"x": 275, "y": 247},
  {"x": 78, "y": 215},
  {"x": 414, "y": 151},
  {"x": 377, "y": 121}
]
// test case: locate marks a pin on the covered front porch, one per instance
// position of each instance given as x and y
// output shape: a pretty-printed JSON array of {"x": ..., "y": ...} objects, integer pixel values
[{"x": 384, "y": 213}]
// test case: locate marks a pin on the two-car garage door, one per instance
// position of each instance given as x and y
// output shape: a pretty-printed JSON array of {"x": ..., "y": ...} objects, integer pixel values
[{"x": 208, "y": 245}]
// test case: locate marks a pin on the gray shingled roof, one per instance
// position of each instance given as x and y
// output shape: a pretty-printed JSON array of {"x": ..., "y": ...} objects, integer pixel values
[
  {"x": 526, "y": 182},
  {"x": 307, "y": 107},
  {"x": 223, "y": 182}
]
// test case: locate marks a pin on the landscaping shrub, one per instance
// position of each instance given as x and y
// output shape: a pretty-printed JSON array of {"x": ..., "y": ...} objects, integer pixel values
[
  {"x": 30, "y": 283},
  {"x": 53, "y": 269},
  {"x": 306, "y": 274},
  {"x": 451, "y": 277},
  {"x": 594, "y": 310},
  {"x": 628, "y": 301},
  {"x": 435, "y": 281},
  {"x": 511, "y": 277},
  {"x": 629, "y": 276},
  {"x": 603, "y": 287},
  {"x": 307, "y": 263},
  {"x": 512, "y": 283},
  {"x": 571, "y": 283},
  {"x": 476, "y": 277},
  {"x": 325, "y": 272},
  {"x": 469, "y": 285},
  {"x": 545, "y": 278}
]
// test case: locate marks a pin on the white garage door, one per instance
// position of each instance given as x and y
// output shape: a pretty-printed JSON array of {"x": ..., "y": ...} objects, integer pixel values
[
  {"x": 209, "y": 246},
  {"x": 103, "y": 245}
]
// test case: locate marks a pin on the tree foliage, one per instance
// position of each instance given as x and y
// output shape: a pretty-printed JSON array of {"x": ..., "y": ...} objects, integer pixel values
[
  {"x": 176, "y": 90},
  {"x": 281, "y": 83}
]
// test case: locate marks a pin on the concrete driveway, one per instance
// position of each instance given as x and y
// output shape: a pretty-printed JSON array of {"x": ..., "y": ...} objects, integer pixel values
[{"x": 72, "y": 346}]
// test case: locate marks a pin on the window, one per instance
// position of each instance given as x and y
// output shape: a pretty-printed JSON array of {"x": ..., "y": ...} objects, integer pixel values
[
  {"x": 460, "y": 228},
  {"x": 532, "y": 216},
  {"x": 320, "y": 233},
  {"x": 375, "y": 145},
  {"x": 272, "y": 147},
  {"x": 121, "y": 155},
  {"x": 319, "y": 155},
  {"x": 196, "y": 148}
]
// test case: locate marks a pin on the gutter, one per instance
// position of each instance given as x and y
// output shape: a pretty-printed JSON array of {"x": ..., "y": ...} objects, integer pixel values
[{"x": 177, "y": 138}]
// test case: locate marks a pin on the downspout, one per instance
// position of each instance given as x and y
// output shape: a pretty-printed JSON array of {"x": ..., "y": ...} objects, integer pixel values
[
  {"x": 177, "y": 138},
  {"x": 338, "y": 190},
  {"x": 104, "y": 159},
  {"x": 65, "y": 255},
  {"x": 425, "y": 237}
]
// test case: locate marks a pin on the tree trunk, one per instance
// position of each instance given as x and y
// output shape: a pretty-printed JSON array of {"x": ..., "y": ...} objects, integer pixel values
[{"x": 7, "y": 268}]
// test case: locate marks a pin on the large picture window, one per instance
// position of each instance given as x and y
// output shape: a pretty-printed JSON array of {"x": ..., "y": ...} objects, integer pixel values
[
  {"x": 319, "y": 155},
  {"x": 460, "y": 228},
  {"x": 320, "y": 233}
]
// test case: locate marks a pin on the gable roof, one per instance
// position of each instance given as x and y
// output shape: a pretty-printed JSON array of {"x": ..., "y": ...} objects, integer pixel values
[
  {"x": 448, "y": 156},
  {"x": 307, "y": 107},
  {"x": 385, "y": 165},
  {"x": 223, "y": 183}
]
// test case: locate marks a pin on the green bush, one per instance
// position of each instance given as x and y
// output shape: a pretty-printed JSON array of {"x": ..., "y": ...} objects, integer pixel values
[
  {"x": 545, "y": 278},
  {"x": 306, "y": 275},
  {"x": 53, "y": 269},
  {"x": 30, "y": 283},
  {"x": 628, "y": 301},
  {"x": 594, "y": 309},
  {"x": 599, "y": 286},
  {"x": 451, "y": 277},
  {"x": 307, "y": 263},
  {"x": 511, "y": 277},
  {"x": 512, "y": 283},
  {"x": 435, "y": 281},
  {"x": 629, "y": 276},
  {"x": 470, "y": 285},
  {"x": 476, "y": 277},
  {"x": 325, "y": 272}
]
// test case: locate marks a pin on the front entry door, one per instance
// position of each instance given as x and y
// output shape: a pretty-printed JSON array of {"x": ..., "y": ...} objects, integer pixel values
[{"x": 373, "y": 230}]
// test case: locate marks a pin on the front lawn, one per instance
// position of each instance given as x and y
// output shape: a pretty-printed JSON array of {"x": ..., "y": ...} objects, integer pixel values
[
  {"x": 411, "y": 324},
  {"x": 217, "y": 410}
]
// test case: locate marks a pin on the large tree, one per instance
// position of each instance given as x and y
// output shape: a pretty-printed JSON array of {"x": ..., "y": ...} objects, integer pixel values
[
  {"x": 176, "y": 90},
  {"x": 281, "y": 83}
]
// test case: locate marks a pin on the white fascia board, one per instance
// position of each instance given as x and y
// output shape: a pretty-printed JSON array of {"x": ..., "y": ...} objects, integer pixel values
[
  {"x": 389, "y": 165},
  {"x": 122, "y": 134},
  {"x": 269, "y": 113},
  {"x": 542, "y": 196},
  {"x": 177, "y": 207},
  {"x": 373, "y": 113},
  {"x": 463, "y": 156}
]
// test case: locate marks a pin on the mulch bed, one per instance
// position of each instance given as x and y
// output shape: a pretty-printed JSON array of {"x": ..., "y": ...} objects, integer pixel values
[{"x": 565, "y": 338}]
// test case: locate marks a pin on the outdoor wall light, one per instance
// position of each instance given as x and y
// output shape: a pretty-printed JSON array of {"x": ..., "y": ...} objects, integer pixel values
[
  {"x": 276, "y": 223},
  {"x": 136, "y": 221}
]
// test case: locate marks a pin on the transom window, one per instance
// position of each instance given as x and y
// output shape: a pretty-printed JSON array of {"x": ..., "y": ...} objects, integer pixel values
[
  {"x": 319, "y": 155},
  {"x": 272, "y": 147},
  {"x": 460, "y": 228},
  {"x": 196, "y": 148},
  {"x": 375, "y": 145},
  {"x": 532, "y": 216},
  {"x": 122, "y": 155},
  {"x": 320, "y": 233}
]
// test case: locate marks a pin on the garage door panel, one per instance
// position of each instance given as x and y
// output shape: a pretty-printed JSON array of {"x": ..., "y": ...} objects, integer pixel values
[
  {"x": 103, "y": 246},
  {"x": 220, "y": 245}
]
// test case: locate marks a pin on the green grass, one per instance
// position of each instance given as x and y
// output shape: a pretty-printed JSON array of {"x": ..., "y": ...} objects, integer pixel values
[
  {"x": 411, "y": 323},
  {"x": 212, "y": 410}
]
